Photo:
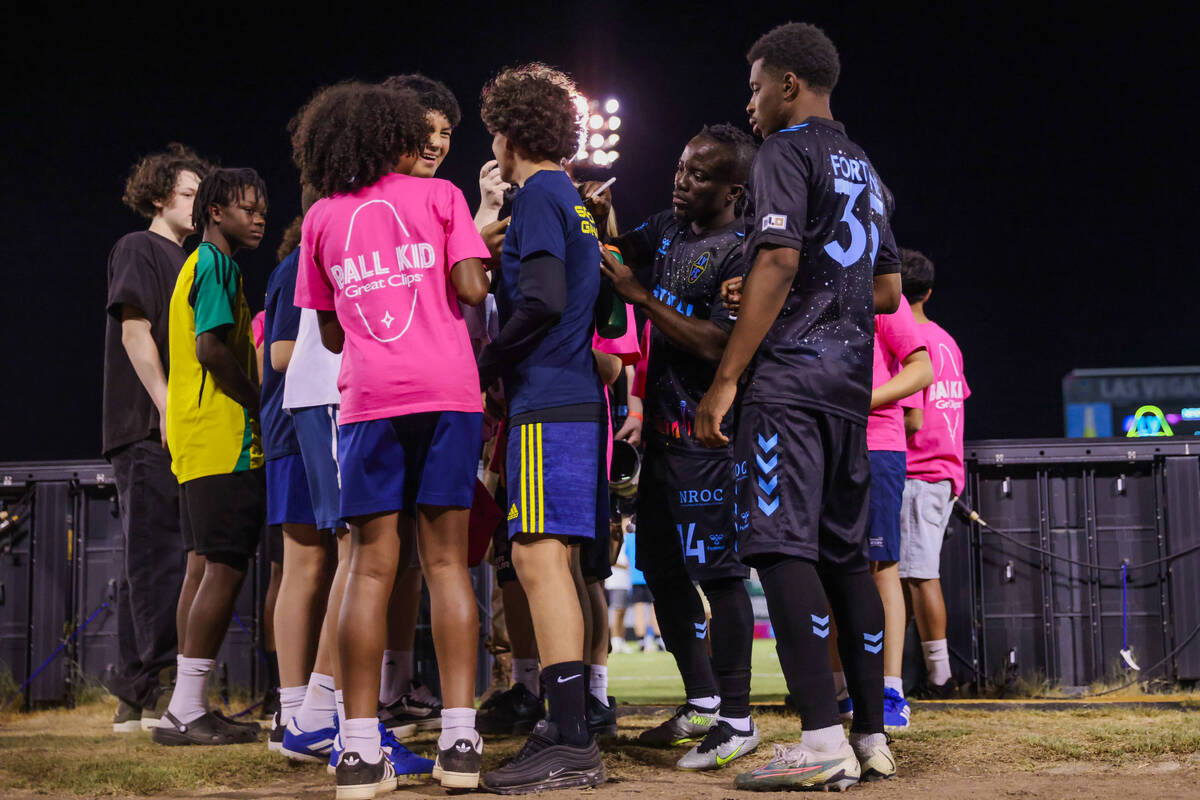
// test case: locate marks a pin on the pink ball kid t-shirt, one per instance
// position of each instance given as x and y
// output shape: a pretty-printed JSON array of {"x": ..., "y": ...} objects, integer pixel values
[
  {"x": 935, "y": 452},
  {"x": 896, "y": 337},
  {"x": 381, "y": 258}
]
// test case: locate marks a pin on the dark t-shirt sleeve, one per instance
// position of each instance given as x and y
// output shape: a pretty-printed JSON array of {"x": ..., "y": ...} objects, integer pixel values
[
  {"x": 131, "y": 278},
  {"x": 733, "y": 266},
  {"x": 780, "y": 189},
  {"x": 539, "y": 227},
  {"x": 887, "y": 261},
  {"x": 640, "y": 245},
  {"x": 284, "y": 315}
]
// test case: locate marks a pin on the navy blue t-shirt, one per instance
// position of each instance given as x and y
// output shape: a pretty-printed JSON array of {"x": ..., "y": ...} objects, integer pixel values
[
  {"x": 282, "y": 323},
  {"x": 549, "y": 218}
]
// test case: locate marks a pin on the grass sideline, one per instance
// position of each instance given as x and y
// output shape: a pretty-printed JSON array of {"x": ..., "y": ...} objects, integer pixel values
[{"x": 652, "y": 679}]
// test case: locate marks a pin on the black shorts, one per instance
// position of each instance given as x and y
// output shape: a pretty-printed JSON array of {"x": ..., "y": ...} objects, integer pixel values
[
  {"x": 803, "y": 482},
  {"x": 686, "y": 514},
  {"x": 223, "y": 513},
  {"x": 640, "y": 594}
]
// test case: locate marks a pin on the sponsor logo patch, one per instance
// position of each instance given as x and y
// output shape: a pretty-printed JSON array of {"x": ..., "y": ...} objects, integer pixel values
[{"x": 774, "y": 222}]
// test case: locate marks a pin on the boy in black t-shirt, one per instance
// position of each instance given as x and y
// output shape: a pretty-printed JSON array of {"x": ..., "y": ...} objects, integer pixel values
[
  {"x": 686, "y": 509},
  {"x": 142, "y": 269},
  {"x": 823, "y": 262}
]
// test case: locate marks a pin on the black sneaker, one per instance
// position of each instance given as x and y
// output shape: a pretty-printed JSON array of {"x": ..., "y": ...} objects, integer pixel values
[
  {"x": 601, "y": 719},
  {"x": 457, "y": 767},
  {"x": 359, "y": 780},
  {"x": 935, "y": 691},
  {"x": 688, "y": 725},
  {"x": 275, "y": 738},
  {"x": 415, "y": 710},
  {"x": 270, "y": 704},
  {"x": 128, "y": 718},
  {"x": 251, "y": 726},
  {"x": 204, "y": 730},
  {"x": 544, "y": 763},
  {"x": 513, "y": 712}
]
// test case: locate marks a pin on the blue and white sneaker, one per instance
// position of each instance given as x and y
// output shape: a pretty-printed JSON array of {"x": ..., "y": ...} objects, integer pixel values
[
  {"x": 896, "y": 711},
  {"x": 335, "y": 754},
  {"x": 404, "y": 760},
  {"x": 301, "y": 745},
  {"x": 846, "y": 709}
]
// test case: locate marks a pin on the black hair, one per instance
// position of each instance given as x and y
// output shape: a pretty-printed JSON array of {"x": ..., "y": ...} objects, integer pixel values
[
  {"x": 350, "y": 135},
  {"x": 916, "y": 274},
  {"x": 434, "y": 95},
  {"x": 224, "y": 186},
  {"x": 153, "y": 178},
  {"x": 802, "y": 49},
  {"x": 739, "y": 145},
  {"x": 534, "y": 106}
]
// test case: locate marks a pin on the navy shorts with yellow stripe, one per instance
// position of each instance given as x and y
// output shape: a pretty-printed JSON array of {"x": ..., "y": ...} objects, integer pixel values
[{"x": 556, "y": 483}]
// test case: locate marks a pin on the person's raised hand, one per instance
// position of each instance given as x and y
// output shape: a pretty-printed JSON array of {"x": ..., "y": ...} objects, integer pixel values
[
  {"x": 491, "y": 186},
  {"x": 731, "y": 293},
  {"x": 599, "y": 206}
]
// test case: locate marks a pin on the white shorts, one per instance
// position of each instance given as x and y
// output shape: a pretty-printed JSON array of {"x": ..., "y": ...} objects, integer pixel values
[{"x": 924, "y": 513}]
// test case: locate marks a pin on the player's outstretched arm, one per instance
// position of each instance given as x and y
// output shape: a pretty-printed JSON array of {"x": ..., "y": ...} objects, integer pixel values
[{"x": 763, "y": 295}]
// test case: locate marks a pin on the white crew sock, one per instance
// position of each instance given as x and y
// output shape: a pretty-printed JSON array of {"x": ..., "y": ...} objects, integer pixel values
[
  {"x": 839, "y": 686},
  {"x": 362, "y": 736},
  {"x": 187, "y": 703},
  {"x": 711, "y": 703},
  {"x": 895, "y": 683},
  {"x": 457, "y": 723},
  {"x": 824, "y": 740},
  {"x": 740, "y": 724},
  {"x": 598, "y": 682},
  {"x": 396, "y": 676},
  {"x": 320, "y": 704},
  {"x": 863, "y": 742},
  {"x": 937, "y": 660},
  {"x": 290, "y": 699},
  {"x": 341, "y": 708},
  {"x": 525, "y": 671}
]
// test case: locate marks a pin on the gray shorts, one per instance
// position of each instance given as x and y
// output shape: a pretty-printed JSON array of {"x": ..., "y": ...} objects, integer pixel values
[{"x": 924, "y": 514}]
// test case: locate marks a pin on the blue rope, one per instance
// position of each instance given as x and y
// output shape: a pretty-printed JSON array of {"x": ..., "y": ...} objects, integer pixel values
[
  {"x": 57, "y": 651},
  {"x": 249, "y": 634}
]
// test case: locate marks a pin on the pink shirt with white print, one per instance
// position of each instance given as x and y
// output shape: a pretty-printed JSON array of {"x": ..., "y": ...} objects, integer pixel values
[
  {"x": 935, "y": 453},
  {"x": 896, "y": 337},
  {"x": 381, "y": 258}
]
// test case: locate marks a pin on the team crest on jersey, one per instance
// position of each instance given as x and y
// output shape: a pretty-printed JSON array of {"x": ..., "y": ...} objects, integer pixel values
[
  {"x": 699, "y": 265},
  {"x": 774, "y": 222}
]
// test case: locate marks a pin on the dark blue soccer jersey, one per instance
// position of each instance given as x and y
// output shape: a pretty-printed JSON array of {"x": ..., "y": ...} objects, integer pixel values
[
  {"x": 685, "y": 272},
  {"x": 282, "y": 322},
  {"x": 815, "y": 191},
  {"x": 549, "y": 218}
]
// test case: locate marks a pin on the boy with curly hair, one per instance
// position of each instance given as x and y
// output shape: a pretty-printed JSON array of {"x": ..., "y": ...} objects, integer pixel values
[
  {"x": 142, "y": 269},
  {"x": 384, "y": 260},
  {"x": 546, "y": 291}
]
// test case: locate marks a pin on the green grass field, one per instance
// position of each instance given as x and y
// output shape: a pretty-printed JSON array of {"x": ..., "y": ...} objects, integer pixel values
[{"x": 651, "y": 678}]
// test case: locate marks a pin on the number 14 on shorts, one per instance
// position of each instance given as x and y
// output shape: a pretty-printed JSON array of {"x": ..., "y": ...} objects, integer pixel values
[{"x": 693, "y": 546}]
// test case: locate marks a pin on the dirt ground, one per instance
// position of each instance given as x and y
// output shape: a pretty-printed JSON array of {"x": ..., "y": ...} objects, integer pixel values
[{"x": 1085, "y": 753}]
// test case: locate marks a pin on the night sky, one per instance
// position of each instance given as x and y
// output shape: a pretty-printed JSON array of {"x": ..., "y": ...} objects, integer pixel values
[{"x": 1041, "y": 162}]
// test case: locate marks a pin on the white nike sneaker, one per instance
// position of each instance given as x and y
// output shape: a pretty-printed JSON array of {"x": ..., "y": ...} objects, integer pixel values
[{"x": 721, "y": 745}]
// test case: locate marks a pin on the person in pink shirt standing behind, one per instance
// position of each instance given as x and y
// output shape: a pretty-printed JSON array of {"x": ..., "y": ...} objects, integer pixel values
[
  {"x": 901, "y": 369},
  {"x": 935, "y": 477},
  {"x": 384, "y": 260}
]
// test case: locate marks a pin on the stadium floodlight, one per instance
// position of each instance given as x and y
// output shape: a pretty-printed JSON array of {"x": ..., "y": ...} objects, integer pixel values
[{"x": 597, "y": 138}]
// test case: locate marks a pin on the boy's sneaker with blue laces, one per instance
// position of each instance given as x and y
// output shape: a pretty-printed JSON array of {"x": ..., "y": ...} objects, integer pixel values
[
  {"x": 896, "y": 711},
  {"x": 301, "y": 745},
  {"x": 405, "y": 761},
  {"x": 846, "y": 709}
]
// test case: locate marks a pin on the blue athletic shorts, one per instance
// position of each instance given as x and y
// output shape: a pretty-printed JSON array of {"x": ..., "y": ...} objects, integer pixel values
[
  {"x": 288, "y": 499},
  {"x": 557, "y": 482},
  {"x": 317, "y": 432},
  {"x": 396, "y": 464},
  {"x": 888, "y": 469}
]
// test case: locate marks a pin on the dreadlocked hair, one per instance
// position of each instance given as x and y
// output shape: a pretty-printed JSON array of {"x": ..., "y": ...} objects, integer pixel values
[
  {"x": 350, "y": 135},
  {"x": 224, "y": 187}
]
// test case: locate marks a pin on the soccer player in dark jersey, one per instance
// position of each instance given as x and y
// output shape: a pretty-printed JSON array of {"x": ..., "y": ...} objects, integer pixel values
[
  {"x": 546, "y": 291},
  {"x": 823, "y": 261},
  {"x": 686, "y": 493}
]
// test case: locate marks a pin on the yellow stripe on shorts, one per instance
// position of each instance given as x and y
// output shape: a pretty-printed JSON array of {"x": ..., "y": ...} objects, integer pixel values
[
  {"x": 524, "y": 482},
  {"x": 541, "y": 492}
]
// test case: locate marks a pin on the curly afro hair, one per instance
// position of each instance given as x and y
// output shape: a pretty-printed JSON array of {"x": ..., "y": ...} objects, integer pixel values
[
  {"x": 534, "y": 107},
  {"x": 801, "y": 49},
  {"x": 916, "y": 274},
  {"x": 434, "y": 95},
  {"x": 350, "y": 135},
  {"x": 739, "y": 146},
  {"x": 225, "y": 186},
  {"x": 152, "y": 180}
]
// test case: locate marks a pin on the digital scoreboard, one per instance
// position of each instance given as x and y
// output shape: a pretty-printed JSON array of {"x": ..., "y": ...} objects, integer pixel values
[{"x": 1149, "y": 401}]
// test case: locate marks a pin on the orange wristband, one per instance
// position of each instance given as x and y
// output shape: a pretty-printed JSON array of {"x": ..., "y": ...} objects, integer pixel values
[{"x": 637, "y": 414}]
